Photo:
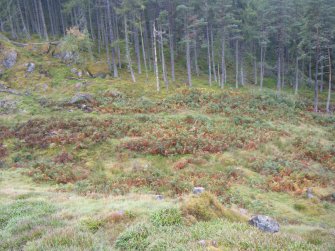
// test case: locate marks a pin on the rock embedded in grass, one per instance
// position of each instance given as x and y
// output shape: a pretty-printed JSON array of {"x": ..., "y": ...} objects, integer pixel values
[
  {"x": 309, "y": 193},
  {"x": 265, "y": 223},
  {"x": 30, "y": 67},
  {"x": 10, "y": 59},
  {"x": 198, "y": 190},
  {"x": 159, "y": 197},
  {"x": 81, "y": 98}
]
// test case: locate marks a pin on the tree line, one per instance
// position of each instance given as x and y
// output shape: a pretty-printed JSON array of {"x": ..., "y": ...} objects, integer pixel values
[{"x": 291, "y": 39}]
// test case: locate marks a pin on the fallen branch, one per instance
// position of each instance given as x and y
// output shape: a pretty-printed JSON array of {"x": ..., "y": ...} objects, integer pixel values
[
  {"x": 23, "y": 44},
  {"x": 10, "y": 91}
]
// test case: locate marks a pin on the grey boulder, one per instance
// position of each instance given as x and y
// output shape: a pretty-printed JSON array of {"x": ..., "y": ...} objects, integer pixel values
[
  {"x": 82, "y": 98},
  {"x": 10, "y": 59},
  {"x": 265, "y": 223}
]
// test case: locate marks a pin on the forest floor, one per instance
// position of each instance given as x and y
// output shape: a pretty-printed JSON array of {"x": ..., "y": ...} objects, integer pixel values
[{"x": 85, "y": 175}]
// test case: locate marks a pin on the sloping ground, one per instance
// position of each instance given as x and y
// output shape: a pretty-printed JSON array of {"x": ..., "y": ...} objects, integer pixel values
[{"x": 82, "y": 160}]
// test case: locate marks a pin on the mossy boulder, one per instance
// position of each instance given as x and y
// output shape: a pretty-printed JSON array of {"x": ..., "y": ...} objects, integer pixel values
[{"x": 98, "y": 69}]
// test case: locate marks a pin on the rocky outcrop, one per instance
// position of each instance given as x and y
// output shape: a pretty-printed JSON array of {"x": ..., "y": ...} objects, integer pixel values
[
  {"x": 265, "y": 223},
  {"x": 4, "y": 88}
]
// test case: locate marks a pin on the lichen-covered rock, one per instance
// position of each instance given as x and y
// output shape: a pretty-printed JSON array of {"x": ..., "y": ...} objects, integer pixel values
[
  {"x": 265, "y": 223},
  {"x": 81, "y": 98},
  {"x": 10, "y": 58},
  {"x": 8, "y": 106}
]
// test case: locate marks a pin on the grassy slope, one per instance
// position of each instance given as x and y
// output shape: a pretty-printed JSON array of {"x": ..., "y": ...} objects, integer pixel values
[{"x": 250, "y": 149}]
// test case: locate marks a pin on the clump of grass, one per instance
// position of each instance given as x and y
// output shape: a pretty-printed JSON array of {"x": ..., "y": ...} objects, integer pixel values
[
  {"x": 23, "y": 221},
  {"x": 207, "y": 207},
  {"x": 322, "y": 238},
  {"x": 134, "y": 238},
  {"x": 63, "y": 239},
  {"x": 92, "y": 224},
  {"x": 299, "y": 207},
  {"x": 166, "y": 217}
]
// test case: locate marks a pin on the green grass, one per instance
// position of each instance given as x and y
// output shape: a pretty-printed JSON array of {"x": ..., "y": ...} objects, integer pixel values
[{"x": 72, "y": 180}]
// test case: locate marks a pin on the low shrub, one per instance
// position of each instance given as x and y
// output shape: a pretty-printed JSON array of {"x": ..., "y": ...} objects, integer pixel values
[
  {"x": 59, "y": 173},
  {"x": 166, "y": 217}
]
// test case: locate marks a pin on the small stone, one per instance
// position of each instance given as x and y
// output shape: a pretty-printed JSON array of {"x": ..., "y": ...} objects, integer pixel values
[
  {"x": 159, "y": 197},
  {"x": 198, "y": 190},
  {"x": 80, "y": 73},
  {"x": 309, "y": 193},
  {"x": 215, "y": 244},
  {"x": 265, "y": 223},
  {"x": 30, "y": 67},
  {"x": 202, "y": 243},
  {"x": 80, "y": 85},
  {"x": 74, "y": 71}
]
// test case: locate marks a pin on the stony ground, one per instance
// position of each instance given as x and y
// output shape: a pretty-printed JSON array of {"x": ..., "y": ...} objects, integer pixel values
[{"x": 83, "y": 159}]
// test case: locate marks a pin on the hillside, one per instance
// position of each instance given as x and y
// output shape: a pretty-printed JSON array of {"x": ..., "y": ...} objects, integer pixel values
[{"x": 98, "y": 163}]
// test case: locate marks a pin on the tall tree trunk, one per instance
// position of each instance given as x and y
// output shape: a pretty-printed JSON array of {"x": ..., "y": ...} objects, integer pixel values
[
  {"x": 310, "y": 73},
  {"x": 255, "y": 71},
  {"x": 25, "y": 30},
  {"x": 90, "y": 21},
  {"x": 296, "y": 75},
  {"x": 279, "y": 74},
  {"x": 330, "y": 81},
  {"x": 322, "y": 76},
  {"x": 111, "y": 37},
  {"x": 316, "y": 83},
  {"x": 62, "y": 17},
  {"x": 52, "y": 26},
  {"x": 242, "y": 72},
  {"x": 137, "y": 50},
  {"x": 236, "y": 63},
  {"x": 143, "y": 52},
  {"x": 213, "y": 55},
  {"x": 155, "y": 56},
  {"x": 106, "y": 42},
  {"x": 11, "y": 24},
  {"x": 130, "y": 66},
  {"x": 38, "y": 22},
  {"x": 209, "y": 58},
  {"x": 262, "y": 67},
  {"x": 163, "y": 59},
  {"x": 188, "y": 61},
  {"x": 223, "y": 63},
  {"x": 44, "y": 27},
  {"x": 196, "y": 57},
  {"x": 118, "y": 51},
  {"x": 171, "y": 42}
]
